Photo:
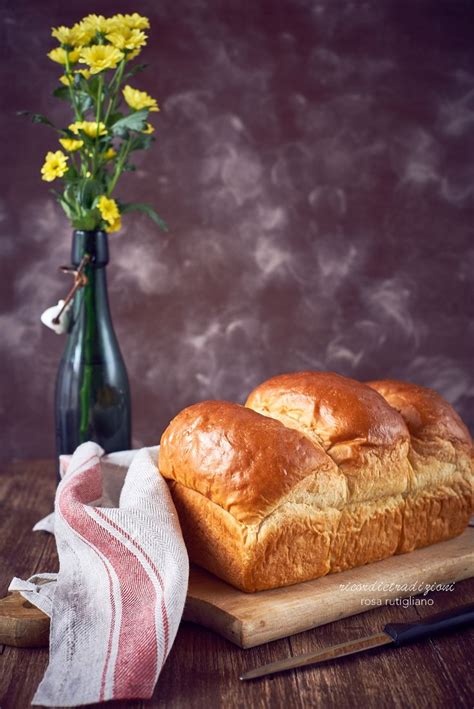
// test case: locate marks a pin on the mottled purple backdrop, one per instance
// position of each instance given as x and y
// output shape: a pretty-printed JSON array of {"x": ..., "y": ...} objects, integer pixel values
[{"x": 315, "y": 160}]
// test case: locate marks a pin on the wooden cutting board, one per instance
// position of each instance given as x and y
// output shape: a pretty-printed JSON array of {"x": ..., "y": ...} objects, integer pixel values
[{"x": 249, "y": 619}]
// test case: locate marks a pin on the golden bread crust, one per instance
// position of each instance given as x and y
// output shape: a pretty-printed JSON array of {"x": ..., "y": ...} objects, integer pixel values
[
  {"x": 256, "y": 557},
  {"x": 240, "y": 460},
  {"x": 435, "y": 514},
  {"x": 426, "y": 413},
  {"x": 355, "y": 425},
  {"x": 317, "y": 474},
  {"x": 338, "y": 410}
]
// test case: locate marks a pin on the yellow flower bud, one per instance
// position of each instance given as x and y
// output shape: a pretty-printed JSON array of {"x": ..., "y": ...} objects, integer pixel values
[
  {"x": 109, "y": 154},
  {"x": 70, "y": 145},
  {"x": 89, "y": 128}
]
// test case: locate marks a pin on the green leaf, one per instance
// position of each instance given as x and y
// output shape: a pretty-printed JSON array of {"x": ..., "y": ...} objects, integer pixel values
[
  {"x": 141, "y": 142},
  {"x": 70, "y": 194},
  {"x": 69, "y": 134},
  {"x": 62, "y": 92},
  {"x": 114, "y": 118},
  {"x": 88, "y": 191},
  {"x": 70, "y": 213},
  {"x": 93, "y": 86},
  {"x": 88, "y": 220},
  {"x": 36, "y": 118},
  {"x": 83, "y": 101},
  {"x": 145, "y": 209},
  {"x": 68, "y": 208},
  {"x": 63, "y": 198},
  {"x": 134, "y": 71},
  {"x": 134, "y": 121},
  {"x": 72, "y": 173}
]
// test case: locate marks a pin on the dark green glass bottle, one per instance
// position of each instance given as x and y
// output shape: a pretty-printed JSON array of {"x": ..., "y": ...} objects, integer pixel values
[{"x": 92, "y": 401}]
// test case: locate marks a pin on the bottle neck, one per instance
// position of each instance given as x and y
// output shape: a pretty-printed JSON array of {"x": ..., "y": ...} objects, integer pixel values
[
  {"x": 94, "y": 294},
  {"x": 92, "y": 243}
]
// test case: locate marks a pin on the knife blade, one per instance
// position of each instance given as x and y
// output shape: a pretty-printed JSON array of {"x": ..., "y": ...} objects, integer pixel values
[{"x": 395, "y": 634}]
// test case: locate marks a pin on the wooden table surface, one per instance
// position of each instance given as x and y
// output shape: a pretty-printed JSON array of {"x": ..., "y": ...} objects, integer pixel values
[{"x": 202, "y": 669}]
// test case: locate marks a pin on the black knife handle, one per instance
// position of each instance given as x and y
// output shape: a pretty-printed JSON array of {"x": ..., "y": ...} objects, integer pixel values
[{"x": 448, "y": 620}]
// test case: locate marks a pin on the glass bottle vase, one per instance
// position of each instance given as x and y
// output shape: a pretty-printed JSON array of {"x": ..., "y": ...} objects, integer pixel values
[{"x": 92, "y": 399}]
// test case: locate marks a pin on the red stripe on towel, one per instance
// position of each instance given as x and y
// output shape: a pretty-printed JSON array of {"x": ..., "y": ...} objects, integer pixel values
[
  {"x": 164, "y": 614},
  {"x": 136, "y": 661}
]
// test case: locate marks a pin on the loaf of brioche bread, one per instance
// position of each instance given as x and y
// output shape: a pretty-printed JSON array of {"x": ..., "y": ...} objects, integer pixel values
[{"x": 317, "y": 473}]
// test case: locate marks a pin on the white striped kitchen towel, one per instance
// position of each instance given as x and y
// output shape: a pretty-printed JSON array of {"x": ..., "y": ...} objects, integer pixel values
[{"x": 121, "y": 587}]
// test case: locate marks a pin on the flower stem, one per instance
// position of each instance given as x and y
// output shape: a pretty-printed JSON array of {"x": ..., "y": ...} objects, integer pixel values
[
  {"x": 86, "y": 385},
  {"x": 118, "y": 169},
  {"x": 117, "y": 78},
  {"x": 97, "y": 118},
  {"x": 71, "y": 92}
]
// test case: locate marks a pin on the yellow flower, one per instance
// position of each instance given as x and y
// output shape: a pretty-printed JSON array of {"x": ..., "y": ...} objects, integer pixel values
[
  {"x": 114, "y": 226},
  {"x": 149, "y": 129},
  {"x": 55, "y": 165},
  {"x": 137, "y": 22},
  {"x": 84, "y": 32},
  {"x": 75, "y": 36},
  {"x": 109, "y": 154},
  {"x": 70, "y": 144},
  {"x": 59, "y": 55},
  {"x": 89, "y": 128},
  {"x": 108, "y": 209},
  {"x": 134, "y": 22},
  {"x": 95, "y": 23},
  {"x": 127, "y": 39},
  {"x": 139, "y": 99},
  {"x": 64, "y": 35},
  {"x": 100, "y": 57}
]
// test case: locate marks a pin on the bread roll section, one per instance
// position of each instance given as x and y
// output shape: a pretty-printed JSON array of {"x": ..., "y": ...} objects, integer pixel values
[
  {"x": 366, "y": 439},
  {"x": 318, "y": 473},
  {"x": 439, "y": 499},
  {"x": 250, "y": 493}
]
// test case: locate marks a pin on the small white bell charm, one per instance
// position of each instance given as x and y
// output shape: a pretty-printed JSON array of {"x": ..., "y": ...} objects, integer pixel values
[
  {"x": 50, "y": 317},
  {"x": 57, "y": 317}
]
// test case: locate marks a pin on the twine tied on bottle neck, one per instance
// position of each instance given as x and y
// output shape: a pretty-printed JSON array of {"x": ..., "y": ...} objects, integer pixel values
[{"x": 80, "y": 280}]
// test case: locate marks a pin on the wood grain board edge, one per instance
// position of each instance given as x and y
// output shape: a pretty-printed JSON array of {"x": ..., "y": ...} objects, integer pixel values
[
  {"x": 249, "y": 620},
  {"x": 204, "y": 613},
  {"x": 21, "y": 623},
  {"x": 256, "y": 632}
]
